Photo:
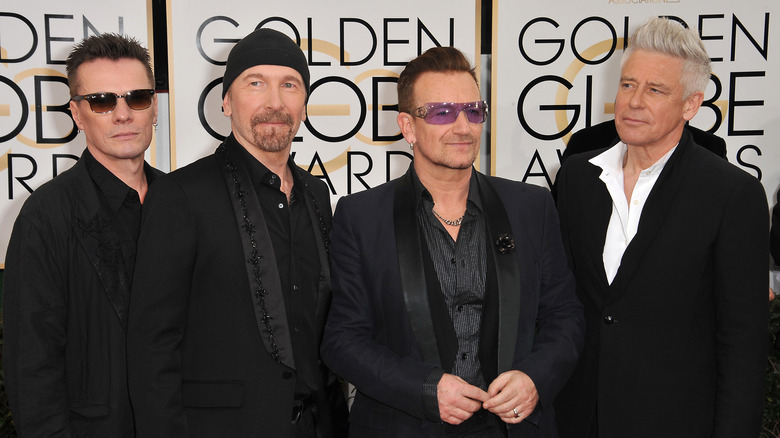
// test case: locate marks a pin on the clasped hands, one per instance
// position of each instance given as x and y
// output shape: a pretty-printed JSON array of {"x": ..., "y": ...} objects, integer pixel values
[{"x": 512, "y": 396}]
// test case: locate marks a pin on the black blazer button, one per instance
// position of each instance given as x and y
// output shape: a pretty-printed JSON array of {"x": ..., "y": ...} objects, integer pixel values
[
  {"x": 287, "y": 375},
  {"x": 609, "y": 319}
]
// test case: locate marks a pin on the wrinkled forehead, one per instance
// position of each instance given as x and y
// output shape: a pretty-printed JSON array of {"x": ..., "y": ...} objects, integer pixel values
[{"x": 456, "y": 86}]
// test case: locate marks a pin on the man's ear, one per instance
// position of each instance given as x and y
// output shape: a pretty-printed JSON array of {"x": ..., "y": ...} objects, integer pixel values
[
  {"x": 406, "y": 123},
  {"x": 74, "y": 112},
  {"x": 692, "y": 105},
  {"x": 226, "y": 110}
]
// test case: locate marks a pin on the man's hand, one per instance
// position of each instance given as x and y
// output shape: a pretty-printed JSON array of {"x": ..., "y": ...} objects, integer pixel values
[
  {"x": 457, "y": 399},
  {"x": 513, "y": 396}
]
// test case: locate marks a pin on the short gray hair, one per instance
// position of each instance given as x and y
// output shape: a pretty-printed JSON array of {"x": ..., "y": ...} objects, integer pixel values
[{"x": 669, "y": 37}]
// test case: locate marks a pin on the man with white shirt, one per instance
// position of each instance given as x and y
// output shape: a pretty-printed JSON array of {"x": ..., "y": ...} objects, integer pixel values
[{"x": 668, "y": 243}]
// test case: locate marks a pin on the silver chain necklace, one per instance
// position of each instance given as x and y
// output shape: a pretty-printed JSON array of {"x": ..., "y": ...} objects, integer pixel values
[{"x": 455, "y": 223}]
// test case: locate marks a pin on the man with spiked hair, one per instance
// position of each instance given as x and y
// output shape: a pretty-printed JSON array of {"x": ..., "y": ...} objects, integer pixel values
[
  {"x": 72, "y": 253},
  {"x": 669, "y": 245}
]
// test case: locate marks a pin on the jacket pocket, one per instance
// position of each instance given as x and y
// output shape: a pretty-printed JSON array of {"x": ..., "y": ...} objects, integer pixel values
[
  {"x": 88, "y": 409},
  {"x": 212, "y": 394}
]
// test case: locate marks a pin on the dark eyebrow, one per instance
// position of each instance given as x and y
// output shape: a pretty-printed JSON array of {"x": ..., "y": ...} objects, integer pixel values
[{"x": 285, "y": 78}]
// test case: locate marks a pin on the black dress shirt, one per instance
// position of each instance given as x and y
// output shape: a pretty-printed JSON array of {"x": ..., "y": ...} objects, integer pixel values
[
  {"x": 121, "y": 206},
  {"x": 461, "y": 269},
  {"x": 292, "y": 236}
]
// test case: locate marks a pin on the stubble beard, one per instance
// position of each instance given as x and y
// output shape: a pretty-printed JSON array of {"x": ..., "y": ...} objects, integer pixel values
[
  {"x": 456, "y": 161},
  {"x": 274, "y": 139}
]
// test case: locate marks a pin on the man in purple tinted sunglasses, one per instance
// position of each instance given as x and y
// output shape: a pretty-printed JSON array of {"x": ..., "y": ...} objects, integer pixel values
[{"x": 453, "y": 309}]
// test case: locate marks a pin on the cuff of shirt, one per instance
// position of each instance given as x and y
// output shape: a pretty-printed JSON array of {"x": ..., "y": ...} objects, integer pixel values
[{"x": 430, "y": 395}]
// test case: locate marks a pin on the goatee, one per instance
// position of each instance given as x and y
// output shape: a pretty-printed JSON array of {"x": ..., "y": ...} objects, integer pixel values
[{"x": 274, "y": 139}]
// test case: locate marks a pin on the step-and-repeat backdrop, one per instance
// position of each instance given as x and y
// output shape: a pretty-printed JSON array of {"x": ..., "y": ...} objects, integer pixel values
[{"x": 554, "y": 70}]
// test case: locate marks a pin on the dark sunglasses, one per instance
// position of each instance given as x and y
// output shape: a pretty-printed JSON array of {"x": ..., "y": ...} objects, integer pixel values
[
  {"x": 444, "y": 113},
  {"x": 106, "y": 102}
]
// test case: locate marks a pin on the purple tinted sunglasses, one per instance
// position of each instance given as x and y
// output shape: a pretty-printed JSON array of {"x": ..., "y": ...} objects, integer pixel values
[{"x": 444, "y": 113}]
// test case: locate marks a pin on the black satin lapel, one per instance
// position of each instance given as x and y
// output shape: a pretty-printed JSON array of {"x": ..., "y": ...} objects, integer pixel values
[
  {"x": 101, "y": 244},
  {"x": 593, "y": 229},
  {"x": 410, "y": 263},
  {"x": 488, "y": 336},
  {"x": 261, "y": 262},
  {"x": 654, "y": 213},
  {"x": 507, "y": 268},
  {"x": 443, "y": 328}
]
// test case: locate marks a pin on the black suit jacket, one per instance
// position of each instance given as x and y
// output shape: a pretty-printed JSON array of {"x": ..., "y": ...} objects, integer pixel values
[
  {"x": 380, "y": 335},
  {"x": 200, "y": 353},
  {"x": 676, "y": 345},
  {"x": 65, "y": 300}
]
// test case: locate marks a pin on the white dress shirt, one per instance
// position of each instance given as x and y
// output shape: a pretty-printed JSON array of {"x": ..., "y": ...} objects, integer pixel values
[{"x": 625, "y": 215}]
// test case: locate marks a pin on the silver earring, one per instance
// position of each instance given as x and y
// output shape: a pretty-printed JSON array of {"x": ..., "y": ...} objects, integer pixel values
[{"x": 411, "y": 146}]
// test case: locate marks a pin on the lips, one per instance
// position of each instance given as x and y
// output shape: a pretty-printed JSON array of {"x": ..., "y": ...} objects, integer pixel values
[
  {"x": 124, "y": 135},
  {"x": 632, "y": 120}
]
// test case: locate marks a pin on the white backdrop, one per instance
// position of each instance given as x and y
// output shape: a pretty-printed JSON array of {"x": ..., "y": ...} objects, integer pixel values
[
  {"x": 38, "y": 139},
  {"x": 556, "y": 68}
]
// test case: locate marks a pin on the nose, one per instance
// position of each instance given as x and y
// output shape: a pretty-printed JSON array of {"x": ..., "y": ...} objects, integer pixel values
[
  {"x": 461, "y": 123},
  {"x": 122, "y": 112},
  {"x": 274, "y": 98},
  {"x": 635, "y": 99}
]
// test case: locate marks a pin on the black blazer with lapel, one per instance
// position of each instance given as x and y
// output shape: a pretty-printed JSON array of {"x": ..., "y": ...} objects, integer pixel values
[
  {"x": 380, "y": 336},
  {"x": 202, "y": 361},
  {"x": 676, "y": 345},
  {"x": 65, "y": 301}
]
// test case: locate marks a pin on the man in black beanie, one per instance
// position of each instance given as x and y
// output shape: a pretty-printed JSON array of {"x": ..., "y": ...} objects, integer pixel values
[{"x": 230, "y": 298}]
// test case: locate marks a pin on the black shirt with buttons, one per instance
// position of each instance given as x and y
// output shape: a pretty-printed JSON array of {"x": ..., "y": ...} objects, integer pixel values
[
  {"x": 461, "y": 269},
  {"x": 121, "y": 206},
  {"x": 297, "y": 258}
]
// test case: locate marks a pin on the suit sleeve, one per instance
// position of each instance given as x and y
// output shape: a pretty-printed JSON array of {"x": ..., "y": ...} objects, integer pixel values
[
  {"x": 35, "y": 331},
  {"x": 560, "y": 323},
  {"x": 158, "y": 305},
  {"x": 349, "y": 346},
  {"x": 741, "y": 283}
]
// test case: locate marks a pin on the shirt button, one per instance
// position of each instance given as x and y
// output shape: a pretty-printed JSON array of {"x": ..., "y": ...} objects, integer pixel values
[
  {"x": 452, "y": 260},
  {"x": 460, "y": 308},
  {"x": 636, "y": 202},
  {"x": 463, "y": 356},
  {"x": 281, "y": 205},
  {"x": 609, "y": 320}
]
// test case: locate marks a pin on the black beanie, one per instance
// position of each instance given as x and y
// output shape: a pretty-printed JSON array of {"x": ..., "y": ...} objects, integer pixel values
[{"x": 264, "y": 47}]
